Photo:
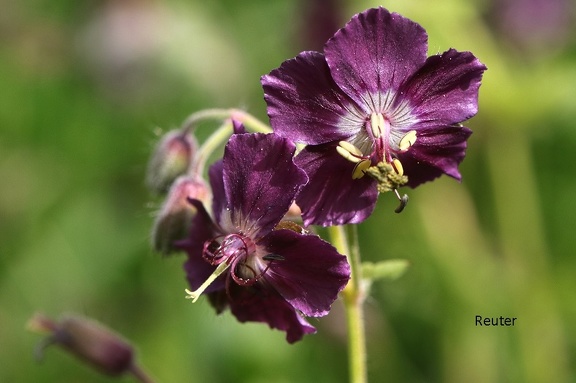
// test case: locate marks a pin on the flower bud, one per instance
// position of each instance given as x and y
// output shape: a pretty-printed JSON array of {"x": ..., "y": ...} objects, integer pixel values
[
  {"x": 170, "y": 160},
  {"x": 87, "y": 340},
  {"x": 173, "y": 221}
]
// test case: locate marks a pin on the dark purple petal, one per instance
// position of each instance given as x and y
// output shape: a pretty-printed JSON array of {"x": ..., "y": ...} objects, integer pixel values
[
  {"x": 311, "y": 274},
  {"x": 196, "y": 267},
  {"x": 304, "y": 103},
  {"x": 436, "y": 151},
  {"x": 218, "y": 300},
  {"x": 445, "y": 90},
  {"x": 259, "y": 304},
  {"x": 375, "y": 52},
  {"x": 215, "y": 174},
  {"x": 260, "y": 181},
  {"x": 332, "y": 197}
]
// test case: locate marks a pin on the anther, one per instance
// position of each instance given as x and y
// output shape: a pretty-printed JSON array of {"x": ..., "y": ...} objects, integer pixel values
[
  {"x": 397, "y": 165},
  {"x": 349, "y": 151},
  {"x": 381, "y": 124},
  {"x": 360, "y": 169},
  {"x": 403, "y": 201},
  {"x": 351, "y": 148},
  {"x": 375, "y": 126},
  {"x": 407, "y": 141}
]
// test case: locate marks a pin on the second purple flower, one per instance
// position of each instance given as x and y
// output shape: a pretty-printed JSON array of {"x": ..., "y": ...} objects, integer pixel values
[{"x": 245, "y": 257}]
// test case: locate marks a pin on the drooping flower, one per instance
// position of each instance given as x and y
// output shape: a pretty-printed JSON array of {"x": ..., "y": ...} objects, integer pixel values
[
  {"x": 245, "y": 258},
  {"x": 374, "y": 112}
]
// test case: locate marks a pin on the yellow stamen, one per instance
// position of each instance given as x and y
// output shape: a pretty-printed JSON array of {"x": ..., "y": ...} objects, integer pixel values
[
  {"x": 397, "y": 165},
  {"x": 351, "y": 148},
  {"x": 376, "y": 124},
  {"x": 349, "y": 151},
  {"x": 407, "y": 141},
  {"x": 360, "y": 169},
  {"x": 194, "y": 295},
  {"x": 381, "y": 123}
]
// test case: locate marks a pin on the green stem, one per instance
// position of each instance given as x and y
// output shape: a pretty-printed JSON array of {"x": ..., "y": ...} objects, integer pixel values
[
  {"x": 209, "y": 146},
  {"x": 222, "y": 133},
  {"x": 353, "y": 298},
  {"x": 250, "y": 122},
  {"x": 140, "y": 374}
]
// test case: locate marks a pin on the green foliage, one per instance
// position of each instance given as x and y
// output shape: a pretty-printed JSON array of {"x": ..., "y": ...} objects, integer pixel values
[
  {"x": 390, "y": 269},
  {"x": 77, "y": 114}
]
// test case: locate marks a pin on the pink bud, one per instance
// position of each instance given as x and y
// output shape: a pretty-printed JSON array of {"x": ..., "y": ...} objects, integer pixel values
[
  {"x": 173, "y": 221},
  {"x": 171, "y": 159}
]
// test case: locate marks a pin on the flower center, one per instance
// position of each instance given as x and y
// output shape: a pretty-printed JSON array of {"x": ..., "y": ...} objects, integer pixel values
[
  {"x": 223, "y": 252},
  {"x": 229, "y": 249},
  {"x": 385, "y": 143},
  {"x": 237, "y": 253}
]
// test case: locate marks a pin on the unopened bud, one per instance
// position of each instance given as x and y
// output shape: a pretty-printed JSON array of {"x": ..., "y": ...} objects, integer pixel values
[
  {"x": 175, "y": 217},
  {"x": 88, "y": 340},
  {"x": 170, "y": 160}
]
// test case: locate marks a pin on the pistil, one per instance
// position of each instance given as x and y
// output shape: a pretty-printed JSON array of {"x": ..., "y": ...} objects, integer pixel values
[{"x": 194, "y": 295}]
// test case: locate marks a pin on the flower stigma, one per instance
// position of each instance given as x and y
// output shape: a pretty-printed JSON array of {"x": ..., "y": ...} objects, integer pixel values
[{"x": 194, "y": 295}]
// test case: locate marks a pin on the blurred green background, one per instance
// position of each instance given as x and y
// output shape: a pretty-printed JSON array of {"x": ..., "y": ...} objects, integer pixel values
[{"x": 85, "y": 87}]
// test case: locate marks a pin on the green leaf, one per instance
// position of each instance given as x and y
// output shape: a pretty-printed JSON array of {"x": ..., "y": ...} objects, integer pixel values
[{"x": 390, "y": 269}]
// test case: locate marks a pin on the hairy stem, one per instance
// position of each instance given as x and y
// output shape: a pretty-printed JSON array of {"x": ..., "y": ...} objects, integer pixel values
[
  {"x": 219, "y": 136},
  {"x": 250, "y": 122},
  {"x": 140, "y": 375},
  {"x": 353, "y": 298}
]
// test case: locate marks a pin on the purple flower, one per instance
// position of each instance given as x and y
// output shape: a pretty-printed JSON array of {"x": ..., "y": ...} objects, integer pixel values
[
  {"x": 245, "y": 258},
  {"x": 375, "y": 113}
]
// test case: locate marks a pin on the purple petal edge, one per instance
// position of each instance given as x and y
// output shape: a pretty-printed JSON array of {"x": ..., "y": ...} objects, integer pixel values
[{"x": 311, "y": 274}]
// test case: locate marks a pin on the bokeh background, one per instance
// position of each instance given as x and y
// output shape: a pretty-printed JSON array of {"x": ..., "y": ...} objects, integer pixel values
[{"x": 87, "y": 86}]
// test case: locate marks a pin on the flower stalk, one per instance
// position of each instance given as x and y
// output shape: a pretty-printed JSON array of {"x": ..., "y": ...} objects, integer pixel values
[
  {"x": 249, "y": 121},
  {"x": 353, "y": 297}
]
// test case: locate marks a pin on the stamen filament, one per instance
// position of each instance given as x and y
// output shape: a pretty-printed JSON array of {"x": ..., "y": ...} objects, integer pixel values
[{"x": 194, "y": 295}]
